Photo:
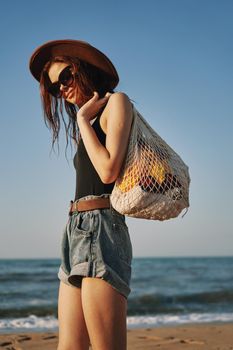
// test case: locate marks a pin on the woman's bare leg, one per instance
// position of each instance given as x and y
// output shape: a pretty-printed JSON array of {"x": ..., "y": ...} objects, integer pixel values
[
  {"x": 73, "y": 333},
  {"x": 105, "y": 313}
]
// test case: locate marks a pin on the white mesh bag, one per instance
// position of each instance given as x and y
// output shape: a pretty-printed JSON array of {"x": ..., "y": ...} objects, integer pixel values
[{"x": 154, "y": 181}]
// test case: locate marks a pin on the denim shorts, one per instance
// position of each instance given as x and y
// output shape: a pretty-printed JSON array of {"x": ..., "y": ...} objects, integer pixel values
[{"x": 96, "y": 243}]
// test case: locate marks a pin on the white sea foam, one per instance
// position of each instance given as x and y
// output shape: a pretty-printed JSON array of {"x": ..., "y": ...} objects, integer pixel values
[
  {"x": 166, "y": 320},
  {"x": 34, "y": 323},
  {"x": 31, "y": 322}
]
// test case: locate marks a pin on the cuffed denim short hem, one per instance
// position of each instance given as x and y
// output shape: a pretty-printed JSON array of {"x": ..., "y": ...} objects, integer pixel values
[
  {"x": 96, "y": 243},
  {"x": 107, "y": 275}
]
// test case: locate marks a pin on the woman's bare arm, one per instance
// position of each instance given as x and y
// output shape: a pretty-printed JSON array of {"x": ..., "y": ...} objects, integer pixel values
[{"x": 107, "y": 160}]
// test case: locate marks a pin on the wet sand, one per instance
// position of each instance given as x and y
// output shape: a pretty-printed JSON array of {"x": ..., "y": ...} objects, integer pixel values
[{"x": 190, "y": 337}]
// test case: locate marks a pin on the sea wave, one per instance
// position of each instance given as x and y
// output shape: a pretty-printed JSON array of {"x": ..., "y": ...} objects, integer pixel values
[
  {"x": 172, "y": 320},
  {"x": 185, "y": 303},
  {"x": 34, "y": 323},
  {"x": 219, "y": 301}
]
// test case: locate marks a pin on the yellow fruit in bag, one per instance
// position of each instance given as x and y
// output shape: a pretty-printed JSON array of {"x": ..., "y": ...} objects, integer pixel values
[{"x": 150, "y": 165}]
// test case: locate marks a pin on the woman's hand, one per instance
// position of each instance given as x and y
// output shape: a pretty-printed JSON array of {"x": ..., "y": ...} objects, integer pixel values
[{"x": 89, "y": 110}]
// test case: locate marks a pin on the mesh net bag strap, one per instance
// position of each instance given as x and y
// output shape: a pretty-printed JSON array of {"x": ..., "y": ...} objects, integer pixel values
[{"x": 154, "y": 181}]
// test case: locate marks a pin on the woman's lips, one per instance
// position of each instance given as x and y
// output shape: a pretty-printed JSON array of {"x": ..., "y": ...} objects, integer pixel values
[{"x": 69, "y": 95}]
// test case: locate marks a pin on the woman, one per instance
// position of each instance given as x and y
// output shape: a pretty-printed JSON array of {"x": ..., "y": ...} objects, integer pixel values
[{"x": 96, "y": 252}]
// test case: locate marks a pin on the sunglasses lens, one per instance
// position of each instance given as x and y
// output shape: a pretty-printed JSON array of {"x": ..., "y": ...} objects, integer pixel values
[
  {"x": 66, "y": 77},
  {"x": 54, "y": 90}
]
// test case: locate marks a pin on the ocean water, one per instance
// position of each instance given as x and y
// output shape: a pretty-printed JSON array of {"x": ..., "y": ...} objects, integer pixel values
[{"x": 165, "y": 291}]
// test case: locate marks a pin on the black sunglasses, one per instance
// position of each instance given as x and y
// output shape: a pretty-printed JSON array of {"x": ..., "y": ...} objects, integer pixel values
[{"x": 66, "y": 78}]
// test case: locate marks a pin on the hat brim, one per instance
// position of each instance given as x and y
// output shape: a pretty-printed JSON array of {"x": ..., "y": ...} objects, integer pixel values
[{"x": 72, "y": 48}]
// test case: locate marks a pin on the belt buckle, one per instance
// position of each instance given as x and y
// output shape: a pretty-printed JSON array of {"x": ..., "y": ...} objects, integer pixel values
[{"x": 73, "y": 207}]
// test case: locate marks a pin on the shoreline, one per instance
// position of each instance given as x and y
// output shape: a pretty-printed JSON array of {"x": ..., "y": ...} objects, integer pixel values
[{"x": 192, "y": 336}]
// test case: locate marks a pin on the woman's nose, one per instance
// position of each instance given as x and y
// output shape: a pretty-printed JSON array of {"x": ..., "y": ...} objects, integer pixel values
[{"x": 63, "y": 87}]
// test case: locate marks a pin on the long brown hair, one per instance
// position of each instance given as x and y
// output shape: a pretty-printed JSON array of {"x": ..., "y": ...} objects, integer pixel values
[{"x": 88, "y": 80}]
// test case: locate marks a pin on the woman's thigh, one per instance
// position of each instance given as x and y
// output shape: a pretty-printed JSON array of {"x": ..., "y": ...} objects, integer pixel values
[
  {"x": 72, "y": 327},
  {"x": 105, "y": 311}
]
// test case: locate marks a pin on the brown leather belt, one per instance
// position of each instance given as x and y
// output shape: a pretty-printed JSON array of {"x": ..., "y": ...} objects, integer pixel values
[{"x": 90, "y": 204}]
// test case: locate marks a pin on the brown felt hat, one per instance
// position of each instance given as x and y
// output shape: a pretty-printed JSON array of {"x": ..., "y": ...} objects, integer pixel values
[{"x": 72, "y": 48}]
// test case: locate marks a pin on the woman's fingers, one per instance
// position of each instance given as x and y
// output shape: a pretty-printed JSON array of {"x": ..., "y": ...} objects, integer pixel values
[
  {"x": 106, "y": 97},
  {"x": 108, "y": 94},
  {"x": 99, "y": 101},
  {"x": 103, "y": 99},
  {"x": 95, "y": 96},
  {"x": 91, "y": 107}
]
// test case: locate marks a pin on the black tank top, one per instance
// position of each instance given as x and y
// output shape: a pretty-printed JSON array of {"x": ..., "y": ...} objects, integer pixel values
[{"x": 88, "y": 181}]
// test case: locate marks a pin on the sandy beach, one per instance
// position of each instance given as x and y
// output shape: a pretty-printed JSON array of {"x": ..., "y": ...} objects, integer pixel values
[{"x": 191, "y": 337}]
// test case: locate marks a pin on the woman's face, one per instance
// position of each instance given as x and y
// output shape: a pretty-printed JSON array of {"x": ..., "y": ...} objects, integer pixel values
[{"x": 67, "y": 92}]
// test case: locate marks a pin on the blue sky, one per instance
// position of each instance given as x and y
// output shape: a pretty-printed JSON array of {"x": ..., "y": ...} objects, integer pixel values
[{"x": 174, "y": 59}]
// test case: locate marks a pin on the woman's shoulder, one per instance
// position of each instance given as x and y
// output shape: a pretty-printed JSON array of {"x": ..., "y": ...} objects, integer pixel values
[
  {"x": 119, "y": 97},
  {"x": 117, "y": 102}
]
